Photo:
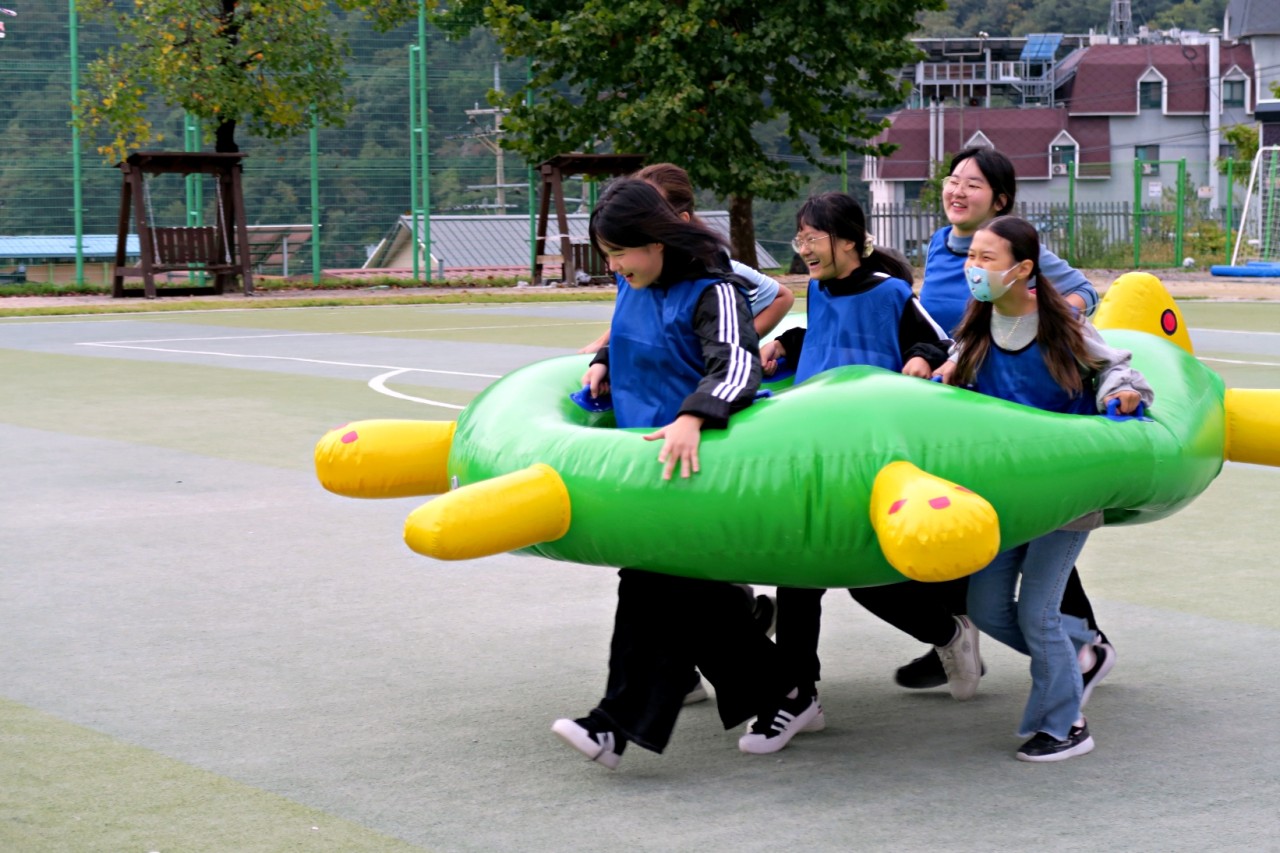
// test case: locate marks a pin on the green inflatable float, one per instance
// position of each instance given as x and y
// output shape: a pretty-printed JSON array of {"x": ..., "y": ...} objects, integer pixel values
[{"x": 857, "y": 477}]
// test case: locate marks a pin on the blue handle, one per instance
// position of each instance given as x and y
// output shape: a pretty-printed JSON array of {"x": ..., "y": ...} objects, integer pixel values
[
  {"x": 583, "y": 398},
  {"x": 1113, "y": 412}
]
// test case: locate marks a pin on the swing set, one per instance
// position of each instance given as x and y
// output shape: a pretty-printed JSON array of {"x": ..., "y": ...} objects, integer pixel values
[{"x": 221, "y": 250}]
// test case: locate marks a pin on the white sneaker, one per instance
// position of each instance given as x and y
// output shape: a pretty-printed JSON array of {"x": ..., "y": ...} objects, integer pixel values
[
  {"x": 961, "y": 661},
  {"x": 772, "y": 731},
  {"x": 585, "y": 735}
]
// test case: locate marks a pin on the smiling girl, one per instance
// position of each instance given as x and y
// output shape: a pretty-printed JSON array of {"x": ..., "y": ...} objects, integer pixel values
[
  {"x": 683, "y": 357},
  {"x": 861, "y": 310},
  {"x": 1028, "y": 346}
]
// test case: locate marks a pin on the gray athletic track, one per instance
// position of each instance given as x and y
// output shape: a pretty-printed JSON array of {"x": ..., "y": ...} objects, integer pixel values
[{"x": 238, "y": 618}]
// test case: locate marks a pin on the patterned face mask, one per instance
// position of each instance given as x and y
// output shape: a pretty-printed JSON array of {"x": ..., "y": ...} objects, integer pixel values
[{"x": 987, "y": 285}]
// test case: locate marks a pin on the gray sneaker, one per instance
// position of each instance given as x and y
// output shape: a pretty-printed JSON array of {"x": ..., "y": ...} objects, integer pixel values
[{"x": 961, "y": 662}]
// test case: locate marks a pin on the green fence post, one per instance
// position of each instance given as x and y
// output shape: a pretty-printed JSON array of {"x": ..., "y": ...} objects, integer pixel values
[
  {"x": 1071, "y": 213},
  {"x": 413, "y": 156},
  {"x": 1179, "y": 215},
  {"x": 426, "y": 123},
  {"x": 1137, "y": 214},
  {"x": 1231, "y": 164},
  {"x": 533, "y": 210},
  {"x": 314, "y": 139},
  {"x": 77, "y": 192}
]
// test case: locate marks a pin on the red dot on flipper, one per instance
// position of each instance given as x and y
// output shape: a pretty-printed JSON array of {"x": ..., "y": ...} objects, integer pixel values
[
  {"x": 963, "y": 489},
  {"x": 350, "y": 437},
  {"x": 1169, "y": 321},
  {"x": 940, "y": 503},
  {"x": 897, "y": 505}
]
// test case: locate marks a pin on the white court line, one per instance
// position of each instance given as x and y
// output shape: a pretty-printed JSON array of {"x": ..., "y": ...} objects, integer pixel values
[
  {"x": 1234, "y": 361},
  {"x": 326, "y": 334},
  {"x": 377, "y": 383},
  {"x": 1230, "y": 332},
  {"x": 295, "y": 359}
]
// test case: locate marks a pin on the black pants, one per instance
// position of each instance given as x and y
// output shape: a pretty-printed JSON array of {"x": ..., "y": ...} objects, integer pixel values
[
  {"x": 923, "y": 610},
  {"x": 664, "y": 627}
]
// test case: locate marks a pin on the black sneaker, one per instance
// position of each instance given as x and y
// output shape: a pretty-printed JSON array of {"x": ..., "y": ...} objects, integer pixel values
[
  {"x": 774, "y": 729},
  {"x": 922, "y": 673},
  {"x": 1044, "y": 747},
  {"x": 765, "y": 613},
  {"x": 1104, "y": 657},
  {"x": 592, "y": 739}
]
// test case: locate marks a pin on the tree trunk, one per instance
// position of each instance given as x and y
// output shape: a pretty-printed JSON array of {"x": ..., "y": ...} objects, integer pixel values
[
  {"x": 742, "y": 230},
  {"x": 224, "y": 138}
]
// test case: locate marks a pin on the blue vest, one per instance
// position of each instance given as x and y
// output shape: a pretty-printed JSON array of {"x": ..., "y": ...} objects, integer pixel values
[
  {"x": 655, "y": 357},
  {"x": 944, "y": 293},
  {"x": 1022, "y": 377},
  {"x": 856, "y": 328}
]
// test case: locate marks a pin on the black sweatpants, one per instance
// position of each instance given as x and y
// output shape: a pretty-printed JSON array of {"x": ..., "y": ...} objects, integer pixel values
[
  {"x": 664, "y": 627},
  {"x": 923, "y": 610}
]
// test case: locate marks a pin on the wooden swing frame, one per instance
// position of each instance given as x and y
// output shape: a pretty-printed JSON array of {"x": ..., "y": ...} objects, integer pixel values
[{"x": 220, "y": 249}]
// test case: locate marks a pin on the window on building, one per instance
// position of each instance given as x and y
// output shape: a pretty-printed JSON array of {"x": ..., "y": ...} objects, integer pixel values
[
  {"x": 1149, "y": 154},
  {"x": 1149, "y": 95},
  {"x": 1233, "y": 93},
  {"x": 1061, "y": 159}
]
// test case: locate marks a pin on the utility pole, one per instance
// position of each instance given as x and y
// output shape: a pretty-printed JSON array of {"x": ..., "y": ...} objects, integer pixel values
[{"x": 492, "y": 140}]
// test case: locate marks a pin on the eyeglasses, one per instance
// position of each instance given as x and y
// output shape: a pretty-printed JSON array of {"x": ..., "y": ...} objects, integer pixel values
[
  {"x": 953, "y": 183},
  {"x": 802, "y": 243}
]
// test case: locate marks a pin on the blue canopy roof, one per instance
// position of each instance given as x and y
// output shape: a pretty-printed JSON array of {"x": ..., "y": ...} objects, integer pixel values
[
  {"x": 58, "y": 247},
  {"x": 1041, "y": 47}
]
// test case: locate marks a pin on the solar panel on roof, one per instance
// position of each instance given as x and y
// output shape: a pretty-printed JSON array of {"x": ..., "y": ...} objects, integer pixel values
[{"x": 1041, "y": 47}]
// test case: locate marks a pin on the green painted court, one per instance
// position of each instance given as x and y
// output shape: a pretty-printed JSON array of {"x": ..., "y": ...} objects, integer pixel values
[{"x": 200, "y": 649}]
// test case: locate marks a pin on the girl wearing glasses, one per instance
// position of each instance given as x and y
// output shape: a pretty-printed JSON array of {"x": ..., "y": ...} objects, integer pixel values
[
  {"x": 683, "y": 357},
  {"x": 770, "y": 301},
  {"x": 1030, "y": 347},
  {"x": 981, "y": 186},
  {"x": 861, "y": 310}
]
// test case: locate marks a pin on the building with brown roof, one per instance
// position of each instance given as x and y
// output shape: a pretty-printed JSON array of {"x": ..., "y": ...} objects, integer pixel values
[{"x": 1118, "y": 116}]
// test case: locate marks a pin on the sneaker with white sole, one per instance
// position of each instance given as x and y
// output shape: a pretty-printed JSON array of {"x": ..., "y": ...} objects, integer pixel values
[
  {"x": 775, "y": 728},
  {"x": 597, "y": 742},
  {"x": 1104, "y": 658},
  {"x": 1046, "y": 747},
  {"x": 698, "y": 692},
  {"x": 961, "y": 661}
]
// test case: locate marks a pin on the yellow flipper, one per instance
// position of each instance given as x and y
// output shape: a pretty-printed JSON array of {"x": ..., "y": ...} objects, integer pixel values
[
  {"x": 931, "y": 529},
  {"x": 386, "y": 458},
  {"x": 509, "y": 512},
  {"x": 1253, "y": 425},
  {"x": 1138, "y": 301}
]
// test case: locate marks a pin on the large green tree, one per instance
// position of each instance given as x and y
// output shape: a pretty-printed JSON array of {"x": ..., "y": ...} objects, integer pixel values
[
  {"x": 689, "y": 81},
  {"x": 268, "y": 65}
]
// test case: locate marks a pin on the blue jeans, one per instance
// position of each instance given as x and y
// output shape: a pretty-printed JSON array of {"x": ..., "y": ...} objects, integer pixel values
[{"x": 1034, "y": 624}]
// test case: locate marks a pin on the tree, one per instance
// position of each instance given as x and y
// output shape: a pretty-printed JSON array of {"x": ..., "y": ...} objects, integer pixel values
[
  {"x": 270, "y": 65},
  {"x": 688, "y": 81}
]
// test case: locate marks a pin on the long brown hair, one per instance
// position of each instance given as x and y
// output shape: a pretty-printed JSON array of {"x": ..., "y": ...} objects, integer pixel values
[{"x": 1059, "y": 334}]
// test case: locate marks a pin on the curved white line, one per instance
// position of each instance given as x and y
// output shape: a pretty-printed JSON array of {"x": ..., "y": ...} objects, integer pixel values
[{"x": 378, "y": 383}]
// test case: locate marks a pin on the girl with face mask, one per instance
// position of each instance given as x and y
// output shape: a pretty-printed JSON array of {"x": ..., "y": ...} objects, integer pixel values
[
  {"x": 1028, "y": 346},
  {"x": 980, "y": 187}
]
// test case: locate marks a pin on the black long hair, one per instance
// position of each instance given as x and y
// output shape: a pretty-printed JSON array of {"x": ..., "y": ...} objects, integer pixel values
[
  {"x": 840, "y": 215},
  {"x": 1059, "y": 334},
  {"x": 633, "y": 213},
  {"x": 997, "y": 169}
]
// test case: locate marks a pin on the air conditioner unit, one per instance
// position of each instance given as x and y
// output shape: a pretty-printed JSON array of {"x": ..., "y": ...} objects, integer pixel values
[
  {"x": 1060, "y": 168},
  {"x": 1150, "y": 168}
]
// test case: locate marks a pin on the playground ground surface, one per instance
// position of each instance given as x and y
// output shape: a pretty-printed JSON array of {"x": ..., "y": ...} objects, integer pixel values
[{"x": 201, "y": 650}]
